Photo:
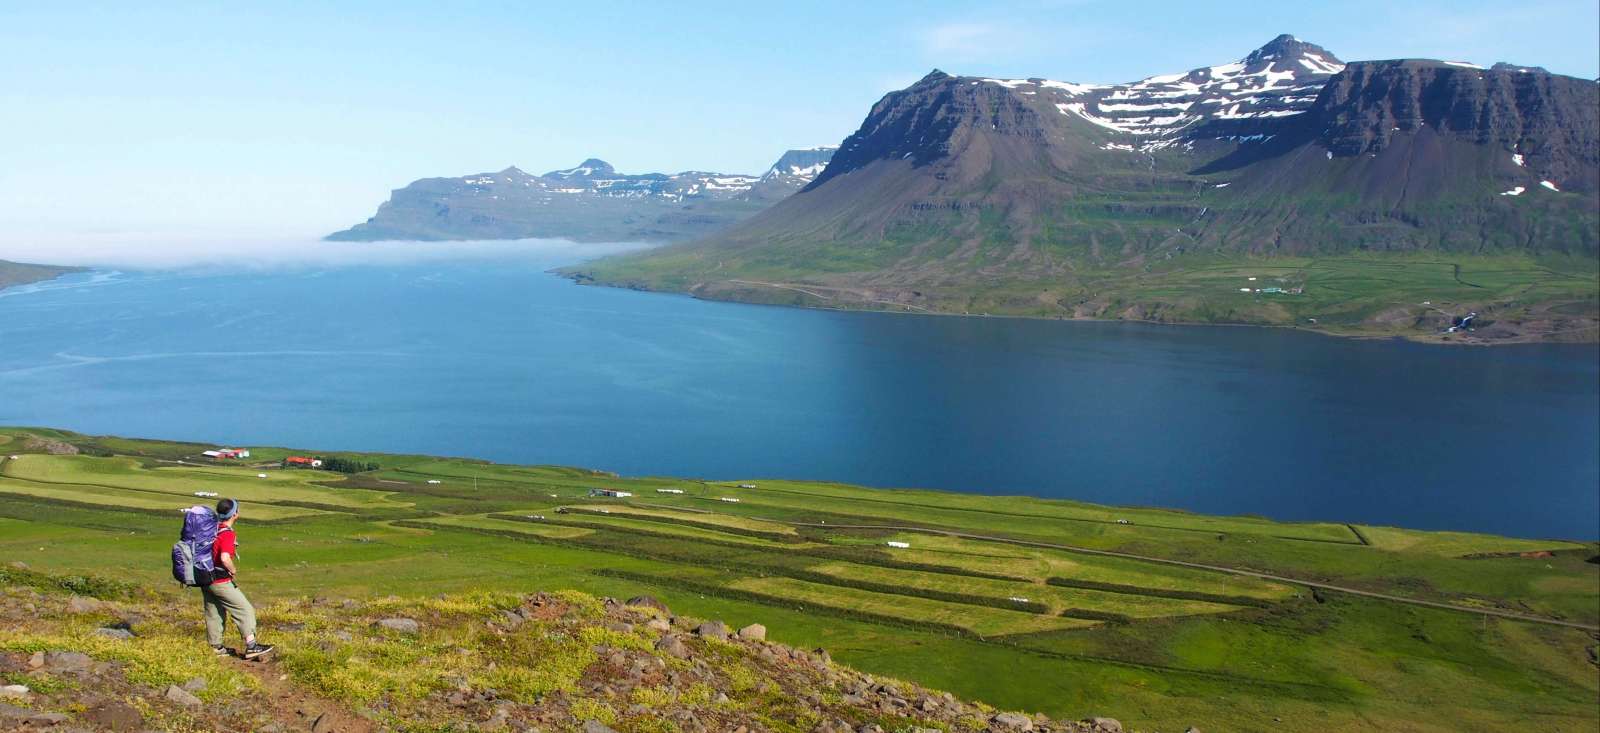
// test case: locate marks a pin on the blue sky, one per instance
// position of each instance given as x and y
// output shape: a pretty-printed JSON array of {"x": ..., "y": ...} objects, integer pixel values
[{"x": 184, "y": 122}]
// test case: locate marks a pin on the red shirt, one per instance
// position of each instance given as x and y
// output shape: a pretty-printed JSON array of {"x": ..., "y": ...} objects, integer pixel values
[{"x": 225, "y": 543}]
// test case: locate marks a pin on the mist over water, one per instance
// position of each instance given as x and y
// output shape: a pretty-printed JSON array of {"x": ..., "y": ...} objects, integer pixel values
[
  {"x": 472, "y": 349},
  {"x": 235, "y": 254}
]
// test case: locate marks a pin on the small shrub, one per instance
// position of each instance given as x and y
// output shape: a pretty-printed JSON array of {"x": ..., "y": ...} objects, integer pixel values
[
  {"x": 652, "y": 697},
  {"x": 585, "y": 605},
  {"x": 600, "y": 636},
  {"x": 83, "y": 585},
  {"x": 157, "y": 657},
  {"x": 585, "y": 708}
]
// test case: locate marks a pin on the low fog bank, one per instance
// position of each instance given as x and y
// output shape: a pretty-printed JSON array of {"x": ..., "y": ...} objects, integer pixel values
[{"x": 165, "y": 253}]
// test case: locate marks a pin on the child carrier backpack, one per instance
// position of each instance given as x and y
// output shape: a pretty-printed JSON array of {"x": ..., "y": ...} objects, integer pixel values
[{"x": 191, "y": 555}]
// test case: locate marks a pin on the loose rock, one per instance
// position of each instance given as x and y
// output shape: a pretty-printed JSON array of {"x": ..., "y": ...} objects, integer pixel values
[
  {"x": 115, "y": 715},
  {"x": 67, "y": 661},
  {"x": 712, "y": 629},
  {"x": 1012, "y": 721},
  {"x": 182, "y": 697},
  {"x": 84, "y": 604},
  {"x": 24, "y": 716},
  {"x": 402, "y": 625},
  {"x": 673, "y": 646},
  {"x": 650, "y": 602},
  {"x": 753, "y": 632}
]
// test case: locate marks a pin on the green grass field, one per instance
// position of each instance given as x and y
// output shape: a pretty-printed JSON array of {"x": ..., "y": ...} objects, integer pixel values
[
  {"x": 1411, "y": 295},
  {"x": 1158, "y": 646}
]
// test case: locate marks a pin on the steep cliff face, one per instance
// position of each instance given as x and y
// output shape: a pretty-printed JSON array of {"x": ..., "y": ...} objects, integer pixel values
[
  {"x": 1544, "y": 123},
  {"x": 1287, "y": 150}
]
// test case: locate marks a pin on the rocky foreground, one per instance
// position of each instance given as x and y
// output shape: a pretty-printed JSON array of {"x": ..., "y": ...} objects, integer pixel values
[{"x": 102, "y": 659}]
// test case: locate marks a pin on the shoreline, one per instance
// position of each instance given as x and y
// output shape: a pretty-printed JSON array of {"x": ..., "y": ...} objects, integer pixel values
[
  {"x": 17, "y": 274},
  {"x": 1434, "y": 339},
  {"x": 889, "y": 491}
]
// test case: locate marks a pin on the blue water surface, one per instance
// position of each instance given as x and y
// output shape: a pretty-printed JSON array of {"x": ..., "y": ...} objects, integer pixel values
[{"x": 498, "y": 360}]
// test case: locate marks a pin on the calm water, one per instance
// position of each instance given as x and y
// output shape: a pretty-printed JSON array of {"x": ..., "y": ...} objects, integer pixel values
[{"x": 499, "y": 361}]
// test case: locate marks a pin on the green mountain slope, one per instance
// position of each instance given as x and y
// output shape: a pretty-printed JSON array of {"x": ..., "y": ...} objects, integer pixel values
[{"x": 1351, "y": 188}]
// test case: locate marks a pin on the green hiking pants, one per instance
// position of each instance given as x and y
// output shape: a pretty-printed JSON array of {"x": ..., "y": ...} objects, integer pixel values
[{"x": 224, "y": 601}]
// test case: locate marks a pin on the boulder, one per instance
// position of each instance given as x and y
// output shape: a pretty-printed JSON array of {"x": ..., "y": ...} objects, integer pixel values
[
  {"x": 658, "y": 624},
  {"x": 1012, "y": 721},
  {"x": 753, "y": 632},
  {"x": 111, "y": 633},
  {"x": 18, "y": 691},
  {"x": 84, "y": 604},
  {"x": 712, "y": 630},
  {"x": 115, "y": 715},
  {"x": 12, "y": 717},
  {"x": 67, "y": 662},
  {"x": 323, "y": 724},
  {"x": 673, "y": 646},
  {"x": 195, "y": 685},
  {"x": 1105, "y": 725},
  {"x": 36, "y": 660},
  {"x": 595, "y": 726},
  {"x": 402, "y": 625},
  {"x": 182, "y": 697},
  {"x": 650, "y": 602}
]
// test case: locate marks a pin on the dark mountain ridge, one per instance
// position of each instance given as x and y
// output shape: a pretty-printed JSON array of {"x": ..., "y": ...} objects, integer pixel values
[
  {"x": 957, "y": 188},
  {"x": 588, "y": 202}
]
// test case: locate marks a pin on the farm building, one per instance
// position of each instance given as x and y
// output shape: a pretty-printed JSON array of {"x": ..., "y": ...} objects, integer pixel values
[
  {"x": 303, "y": 462},
  {"x": 900, "y": 545},
  {"x": 728, "y": 499},
  {"x": 613, "y": 493},
  {"x": 226, "y": 453},
  {"x": 669, "y": 491},
  {"x": 747, "y": 486}
]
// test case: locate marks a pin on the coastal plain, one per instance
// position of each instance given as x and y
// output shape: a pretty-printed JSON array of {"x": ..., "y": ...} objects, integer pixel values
[{"x": 1156, "y": 617}]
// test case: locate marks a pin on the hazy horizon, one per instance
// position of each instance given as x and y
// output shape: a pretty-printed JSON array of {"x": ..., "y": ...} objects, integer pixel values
[{"x": 152, "y": 127}]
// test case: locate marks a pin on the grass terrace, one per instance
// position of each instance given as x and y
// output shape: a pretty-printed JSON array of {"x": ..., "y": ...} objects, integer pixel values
[{"x": 1003, "y": 599}]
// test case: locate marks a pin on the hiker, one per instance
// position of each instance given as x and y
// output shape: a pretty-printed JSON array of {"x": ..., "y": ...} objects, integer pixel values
[{"x": 222, "y": 596}]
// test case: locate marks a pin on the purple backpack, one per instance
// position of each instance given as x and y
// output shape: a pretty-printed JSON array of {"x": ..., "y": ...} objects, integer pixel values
[{"x": 191, "y": 555}]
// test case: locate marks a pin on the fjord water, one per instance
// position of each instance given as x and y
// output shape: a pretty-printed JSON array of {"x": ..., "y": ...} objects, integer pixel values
[{"x": 497, "y": 360}]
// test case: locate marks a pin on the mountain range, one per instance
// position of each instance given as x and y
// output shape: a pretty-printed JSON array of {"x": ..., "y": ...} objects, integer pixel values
[
  {"x": 588, "y": 202},
  {"x": 1052, "y": 198}
]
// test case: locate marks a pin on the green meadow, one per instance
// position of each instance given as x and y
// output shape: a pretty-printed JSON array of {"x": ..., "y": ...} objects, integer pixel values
[{"x": 1008, "y": 600}]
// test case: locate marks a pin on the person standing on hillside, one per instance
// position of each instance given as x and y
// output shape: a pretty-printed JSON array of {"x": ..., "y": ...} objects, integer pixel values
[{"x": 223, "y": 599}]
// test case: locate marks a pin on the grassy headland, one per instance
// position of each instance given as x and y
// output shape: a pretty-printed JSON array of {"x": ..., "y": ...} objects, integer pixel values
[
  {"x": 1067, "y": 608},
  {"x": 1518, "y": 297},
  {"x": 19, "y": 273}
]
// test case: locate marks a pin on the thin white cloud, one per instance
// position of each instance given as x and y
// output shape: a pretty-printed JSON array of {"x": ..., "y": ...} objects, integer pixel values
[{"x": 961, "y": 41}]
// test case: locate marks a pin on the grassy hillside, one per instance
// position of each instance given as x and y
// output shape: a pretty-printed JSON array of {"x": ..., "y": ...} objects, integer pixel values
[
  {"x": 1518, "y": 297},
  {"x": 18, "y": 273},
  {"x": 1162, "y": 619}
]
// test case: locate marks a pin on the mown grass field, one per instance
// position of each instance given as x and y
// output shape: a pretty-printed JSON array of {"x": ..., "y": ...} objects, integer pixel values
[{"x": 1056, "y": 628}]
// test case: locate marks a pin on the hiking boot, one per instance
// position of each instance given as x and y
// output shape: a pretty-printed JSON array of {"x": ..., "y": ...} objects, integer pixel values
[
  {"x": 257, "y": 650},
  {"x": 221, "y": 650}
]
